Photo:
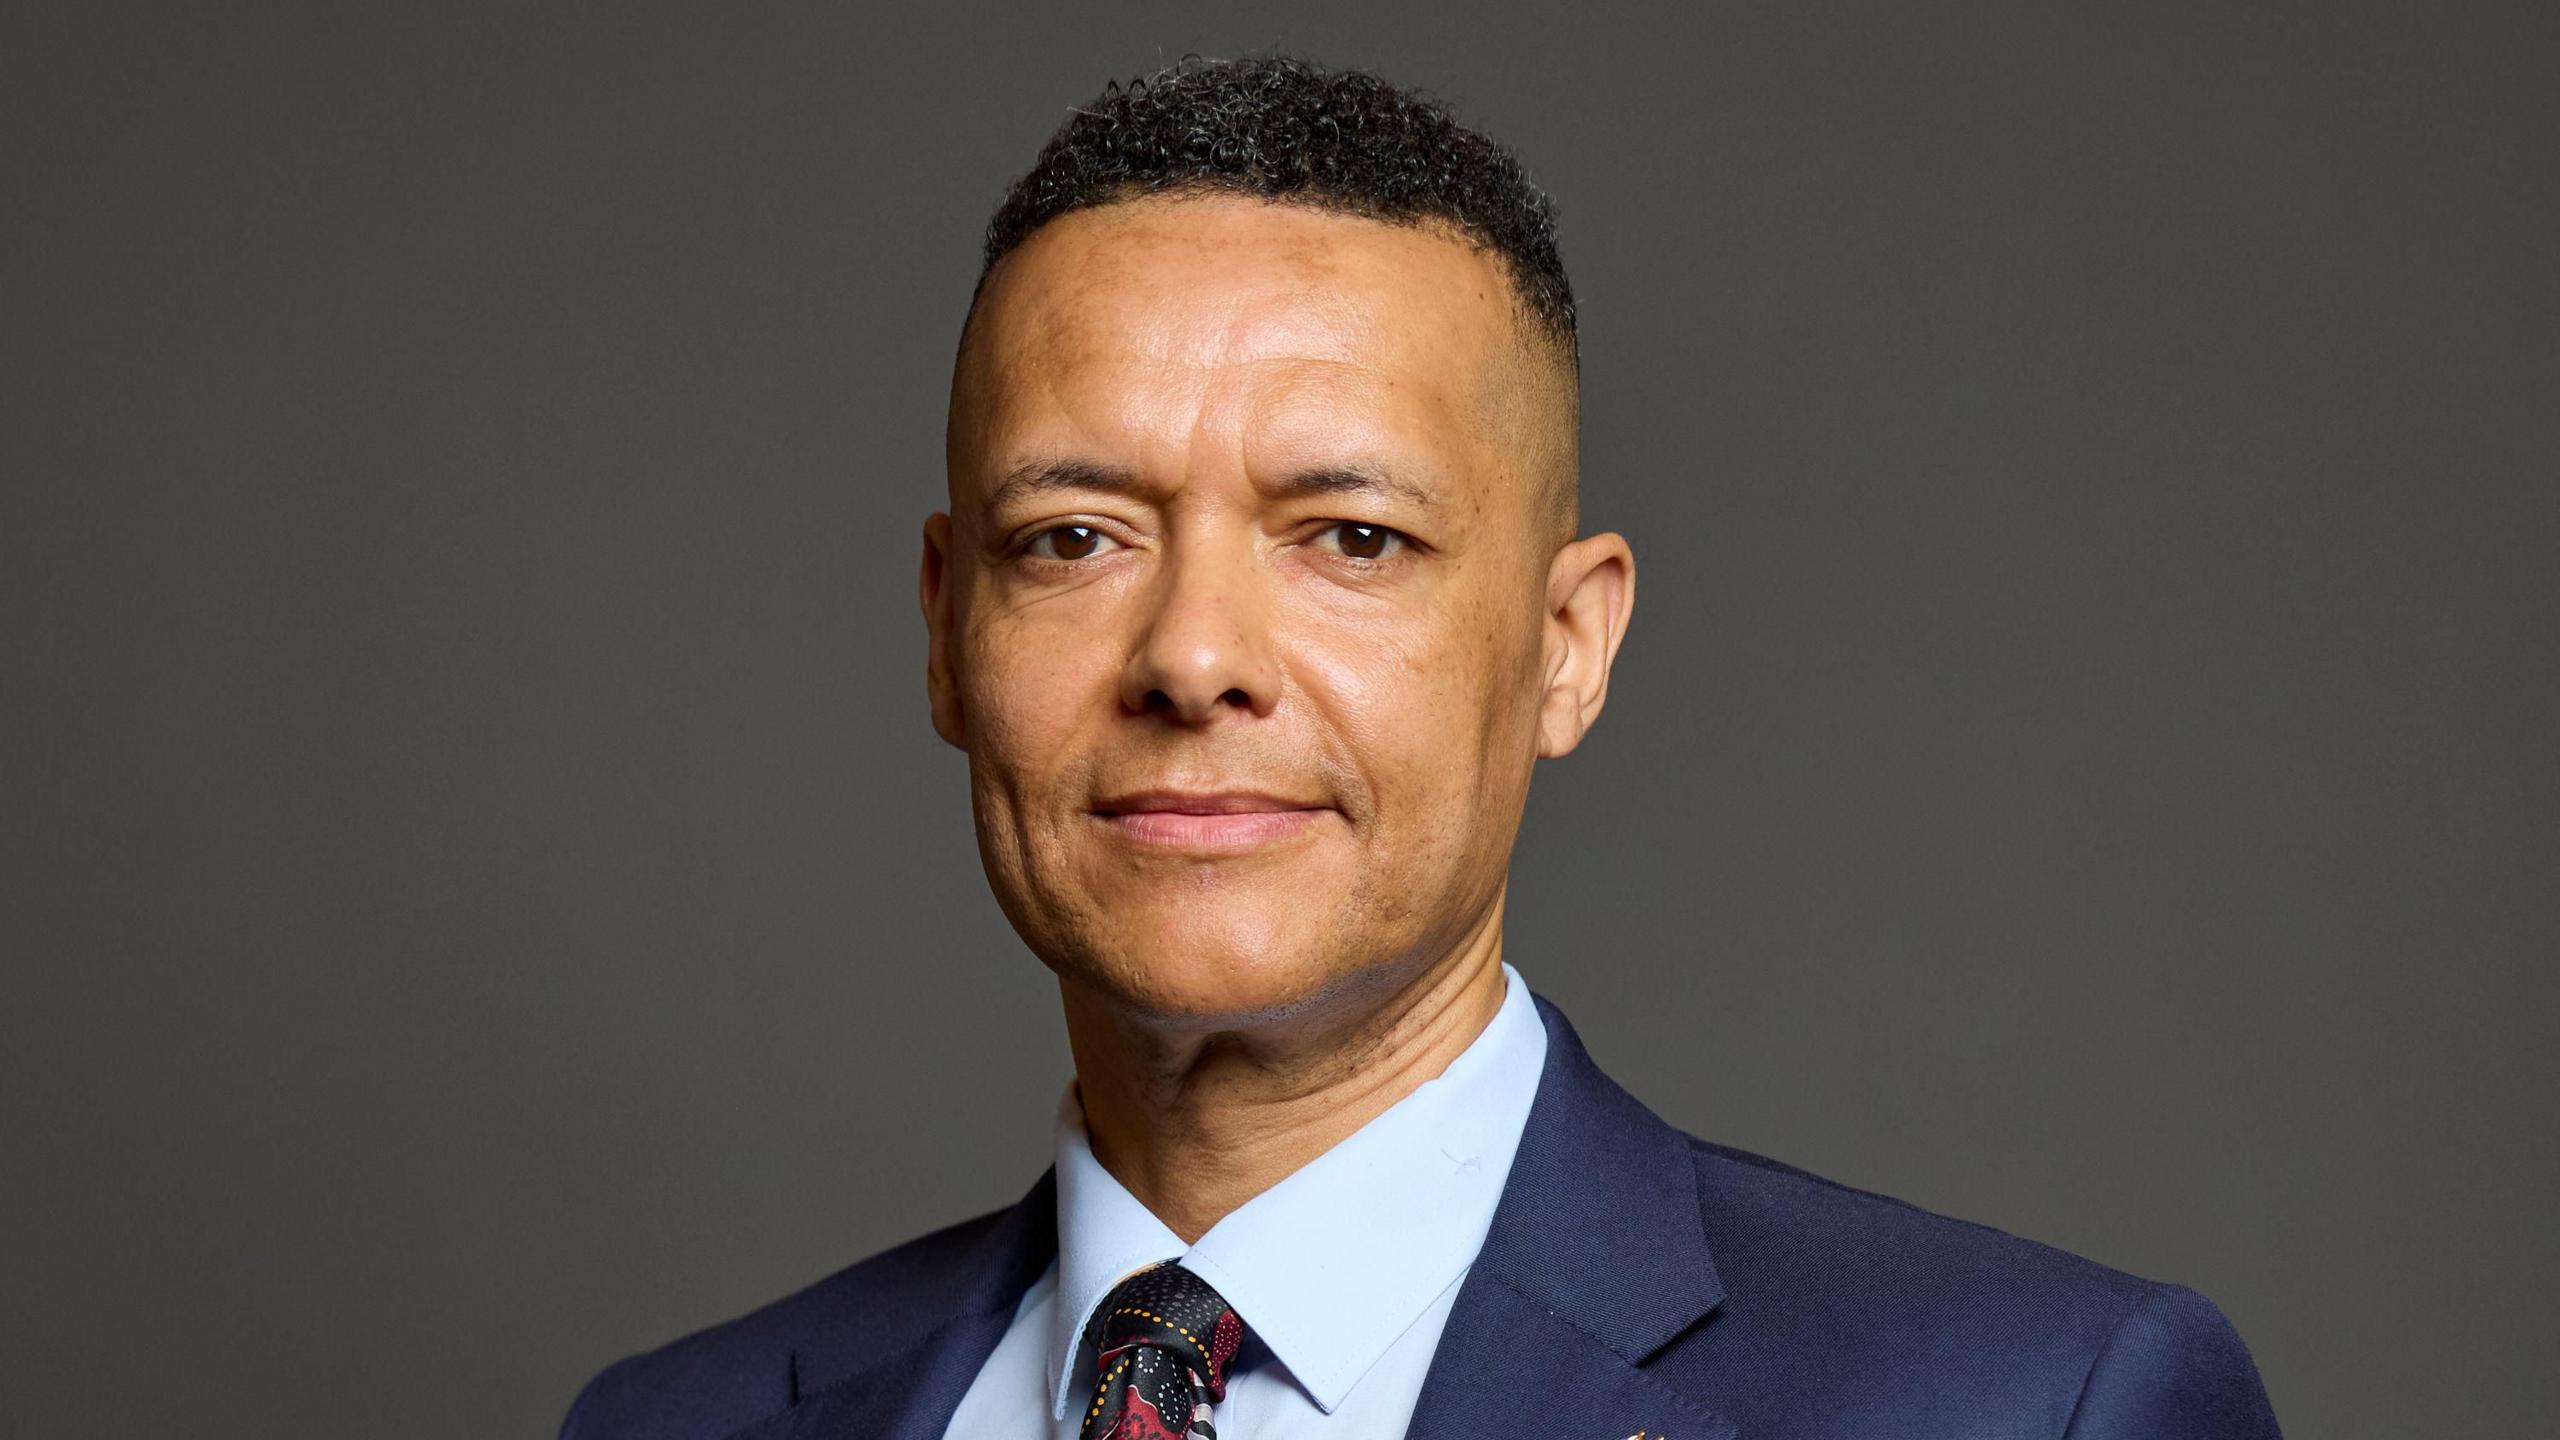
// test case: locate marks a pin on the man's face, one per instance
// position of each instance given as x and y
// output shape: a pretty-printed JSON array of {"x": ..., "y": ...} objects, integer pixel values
[{"x": 1248, "y": 512}]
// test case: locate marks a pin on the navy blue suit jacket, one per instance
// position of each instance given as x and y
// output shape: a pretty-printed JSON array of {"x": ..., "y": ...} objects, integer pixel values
[{"x": 1635, "y": 1281}]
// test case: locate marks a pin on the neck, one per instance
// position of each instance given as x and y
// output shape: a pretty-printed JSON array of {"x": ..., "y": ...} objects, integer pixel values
[{"x": 1195, "y": 1122}]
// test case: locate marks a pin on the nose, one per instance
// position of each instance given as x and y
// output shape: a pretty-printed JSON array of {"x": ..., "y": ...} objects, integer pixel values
[{"x": 1205, "y": 648}]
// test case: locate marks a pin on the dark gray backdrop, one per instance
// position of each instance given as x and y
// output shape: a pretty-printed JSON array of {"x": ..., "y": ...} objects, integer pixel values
[{"x": 482, "y": 892}]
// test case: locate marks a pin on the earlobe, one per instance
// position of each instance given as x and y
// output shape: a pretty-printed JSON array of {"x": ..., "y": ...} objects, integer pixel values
[
  {"x": 933, "y": 593},
  {"x": 1591, "y": 595}
]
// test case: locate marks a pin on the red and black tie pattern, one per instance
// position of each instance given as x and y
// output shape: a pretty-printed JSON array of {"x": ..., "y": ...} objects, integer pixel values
[{"x": 1164, "y": 1339}]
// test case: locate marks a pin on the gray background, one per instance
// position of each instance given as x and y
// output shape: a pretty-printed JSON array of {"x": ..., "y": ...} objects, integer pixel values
[{"x": 480, "y": 885}]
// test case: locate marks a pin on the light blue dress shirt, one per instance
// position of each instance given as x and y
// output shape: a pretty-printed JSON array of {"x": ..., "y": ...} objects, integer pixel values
[{"x": 1343, "y": 1273}]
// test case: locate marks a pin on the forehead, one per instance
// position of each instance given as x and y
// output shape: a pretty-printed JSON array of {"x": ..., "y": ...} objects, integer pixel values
[{"x": 1225, "y": 321}]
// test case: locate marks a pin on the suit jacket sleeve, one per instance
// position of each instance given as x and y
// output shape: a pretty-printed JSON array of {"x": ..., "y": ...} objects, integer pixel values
[{"x": 2173, "y": 1368}]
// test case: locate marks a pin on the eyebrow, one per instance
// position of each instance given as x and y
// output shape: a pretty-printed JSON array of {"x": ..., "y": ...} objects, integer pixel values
[{"x": 1046, "y": 475}]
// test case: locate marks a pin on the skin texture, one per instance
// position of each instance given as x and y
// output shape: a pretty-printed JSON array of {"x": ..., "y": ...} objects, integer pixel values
[{"x": 1178, "y": 611}]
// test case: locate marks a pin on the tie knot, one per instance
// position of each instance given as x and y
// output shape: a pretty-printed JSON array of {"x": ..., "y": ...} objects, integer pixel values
[
  {"x": 1163, "y": 1337},
  {"x": 1174, "y": 1310}
]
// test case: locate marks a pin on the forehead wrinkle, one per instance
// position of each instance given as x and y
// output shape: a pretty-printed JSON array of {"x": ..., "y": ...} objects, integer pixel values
[
  {"x": 1112, "y": 332},
  {"x": 1047, "y": 404},
  {"x": 1270, "y": 419},
  {"x": 1342, "y": 419}
]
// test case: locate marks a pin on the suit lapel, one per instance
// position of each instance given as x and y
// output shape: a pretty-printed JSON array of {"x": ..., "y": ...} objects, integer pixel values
[
  {"x": 909, "y": 1398},
  {"x": 1596, "y": 1259},
  {"x": 842, "y": 1389}
]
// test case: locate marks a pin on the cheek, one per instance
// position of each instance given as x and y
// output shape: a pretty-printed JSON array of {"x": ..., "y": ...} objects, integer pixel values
[
  {"x": 1410, "y": 703},
  {"x": 1030, "y": 689}
]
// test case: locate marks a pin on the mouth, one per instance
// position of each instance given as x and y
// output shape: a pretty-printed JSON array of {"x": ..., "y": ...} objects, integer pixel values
[{"x": 1226, "y": 822}]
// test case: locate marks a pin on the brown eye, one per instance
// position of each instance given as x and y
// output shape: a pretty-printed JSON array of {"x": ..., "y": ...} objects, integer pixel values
[
  {"x": 1366, "y": 542},
  {"x": 1066, "y": 542}
]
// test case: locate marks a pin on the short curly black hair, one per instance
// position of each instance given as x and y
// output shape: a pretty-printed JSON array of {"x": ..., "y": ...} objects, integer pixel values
[{"x": 1286, "y": 130}]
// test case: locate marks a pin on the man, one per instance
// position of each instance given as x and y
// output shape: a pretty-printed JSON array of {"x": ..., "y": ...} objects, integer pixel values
[{"x": 1257, "y": 601}]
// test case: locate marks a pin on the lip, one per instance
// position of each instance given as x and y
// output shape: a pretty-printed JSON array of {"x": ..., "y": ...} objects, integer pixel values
[{"x": 1221, "y": 822}]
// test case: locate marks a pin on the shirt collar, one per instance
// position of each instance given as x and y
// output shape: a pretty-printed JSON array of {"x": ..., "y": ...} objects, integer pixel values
[{"x": 1331, "y": 1264}]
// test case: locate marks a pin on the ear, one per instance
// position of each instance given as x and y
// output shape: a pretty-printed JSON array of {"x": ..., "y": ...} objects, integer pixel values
[
  {"x": 934, "y": 592},
  {"x": 1591, "y": 592}
]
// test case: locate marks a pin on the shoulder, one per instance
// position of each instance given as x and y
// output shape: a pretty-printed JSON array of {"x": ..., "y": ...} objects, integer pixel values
[
  {"x": 729, "y": 1375},
  {"x": 1870, "y": 1301},
  {"x": 1777, "y": 1225}
]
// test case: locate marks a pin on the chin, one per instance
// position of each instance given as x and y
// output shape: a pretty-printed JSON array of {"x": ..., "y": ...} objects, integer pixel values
[{"x": 1212, "y": 976}]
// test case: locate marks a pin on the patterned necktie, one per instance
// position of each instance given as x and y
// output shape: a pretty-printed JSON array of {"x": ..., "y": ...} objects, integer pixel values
[{"x": 1164, "y": 1339}]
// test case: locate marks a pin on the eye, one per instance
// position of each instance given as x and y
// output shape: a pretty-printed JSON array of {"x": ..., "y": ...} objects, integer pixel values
[
  {"x": 1363, "y": 541},
  {"x": 1067, "y": 542}
]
